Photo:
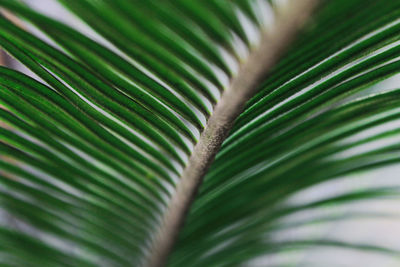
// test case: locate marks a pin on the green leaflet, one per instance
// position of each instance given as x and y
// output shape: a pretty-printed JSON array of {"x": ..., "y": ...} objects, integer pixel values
[
  {"x": 282, "y": 142},
  {"x": 103, "y": 128},
  {"x": 124, "y": 39},
  {"x": 280, "y": 174},
  {"x": 93, "y": 52},
  {"x": 91, "y": 152}
]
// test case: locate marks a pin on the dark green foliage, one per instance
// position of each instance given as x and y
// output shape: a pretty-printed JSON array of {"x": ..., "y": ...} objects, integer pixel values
[{"x": 91, "y": 151}]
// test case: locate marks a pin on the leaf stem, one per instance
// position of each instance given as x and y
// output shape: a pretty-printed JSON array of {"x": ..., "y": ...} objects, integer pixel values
[{"x": 259, "y": 62}]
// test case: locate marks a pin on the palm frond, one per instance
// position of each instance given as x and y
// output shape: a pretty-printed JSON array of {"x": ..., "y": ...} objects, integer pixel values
[{"x": 102, "y": 154}]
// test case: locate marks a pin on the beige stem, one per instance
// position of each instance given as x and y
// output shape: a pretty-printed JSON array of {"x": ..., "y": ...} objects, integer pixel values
[{"x": 243, "y": 86}]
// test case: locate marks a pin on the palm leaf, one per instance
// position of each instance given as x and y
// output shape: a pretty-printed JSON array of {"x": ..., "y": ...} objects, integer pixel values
[{"x": 103, "y": 152}]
